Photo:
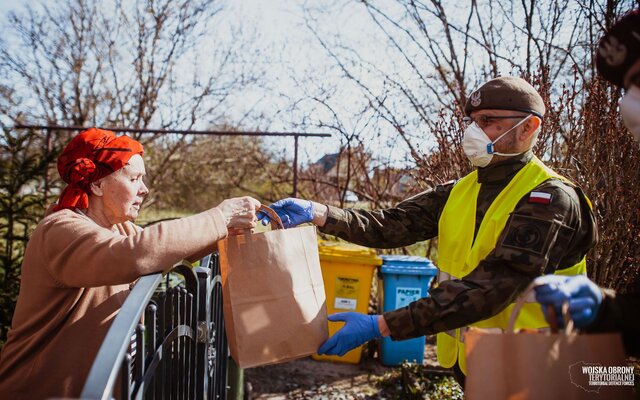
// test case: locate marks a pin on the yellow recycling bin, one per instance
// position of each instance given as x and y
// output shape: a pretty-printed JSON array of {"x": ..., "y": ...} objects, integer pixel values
[{"x": 347, "y": 271}]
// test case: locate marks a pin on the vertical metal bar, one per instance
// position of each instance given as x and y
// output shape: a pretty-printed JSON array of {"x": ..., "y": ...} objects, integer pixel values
[
  {"x": 295, "y": 167},
  {"x": 202, "y": 347},
  {"x": 215, "y": 332},
  {"x": 235, "y": 382},
  {"x": 220, "y": 366},
  {"x": 166, "y": 360},
  {"x": 184, "y": 365},
  {"x": 140, "y": 355},
  {"x": 214, "y": 372},
  {"x": 190, "y": 349},
  {"x": 162, "y": 326},
  {"x": 175, "y": 345},
  {"x": 125, "y": 377},
  {"x": 168, "y": 366},
  {"x": 152, "y": 339},
  {"x": 175, "y": 348},
  {"x": 183, "y": 351}
]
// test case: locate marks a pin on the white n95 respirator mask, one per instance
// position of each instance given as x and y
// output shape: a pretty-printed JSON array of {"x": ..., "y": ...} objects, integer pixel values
[
  {"x": 479, "y": 148},
  {"x": 630, "y": 111}
]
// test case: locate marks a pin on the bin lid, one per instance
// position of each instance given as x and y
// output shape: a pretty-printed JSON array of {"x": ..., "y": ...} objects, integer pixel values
[
  {"x": 407, "y": 265},
  {"x": 348, "y": 253}
]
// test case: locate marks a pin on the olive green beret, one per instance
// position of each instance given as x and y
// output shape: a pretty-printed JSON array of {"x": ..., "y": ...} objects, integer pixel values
[{"x": 506, "y": 93}]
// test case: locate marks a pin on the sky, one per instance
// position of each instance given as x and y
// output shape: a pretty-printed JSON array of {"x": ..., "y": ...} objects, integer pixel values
[
  {"x": 8, "y": 5},
  {"x": 296, "y": 54},
  {"x": 297, "y": 67},
  {"x": 293, "y": 53}
]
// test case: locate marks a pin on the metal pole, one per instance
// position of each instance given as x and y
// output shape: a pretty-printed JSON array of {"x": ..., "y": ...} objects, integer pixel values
[
  {"x": 171, "y": 131},
  {"x": 295, "y": 167},
  {"x": 46, "y": 168},
  {"x": 235, "y": 381},
  {"x": 296, "y": 136}
]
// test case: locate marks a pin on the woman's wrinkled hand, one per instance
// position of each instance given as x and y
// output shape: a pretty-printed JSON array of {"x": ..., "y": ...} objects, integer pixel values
[{"x": 240, "y": 212}]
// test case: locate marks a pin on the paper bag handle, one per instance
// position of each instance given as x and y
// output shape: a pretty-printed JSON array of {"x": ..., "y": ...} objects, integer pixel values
[
  {"x": 522, "y": 299},
  {"x": 276, "y": 222}
]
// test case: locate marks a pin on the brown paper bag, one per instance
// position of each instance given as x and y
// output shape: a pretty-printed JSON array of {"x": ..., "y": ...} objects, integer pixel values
[
  {"x": 545, "y": 365},
  {"x": 273, "y": 294}
]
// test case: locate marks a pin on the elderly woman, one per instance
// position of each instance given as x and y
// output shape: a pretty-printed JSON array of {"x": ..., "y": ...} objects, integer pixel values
[{"x": 82, "y": 257}]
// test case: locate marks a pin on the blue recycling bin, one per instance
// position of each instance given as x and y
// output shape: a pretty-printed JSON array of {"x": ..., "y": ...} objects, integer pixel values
[{"x": 404, "y": 279}]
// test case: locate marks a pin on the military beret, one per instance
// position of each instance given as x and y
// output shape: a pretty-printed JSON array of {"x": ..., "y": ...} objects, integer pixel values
[
  {"x": 619, "y": 48},
  {"x": 506, "y": 93}
]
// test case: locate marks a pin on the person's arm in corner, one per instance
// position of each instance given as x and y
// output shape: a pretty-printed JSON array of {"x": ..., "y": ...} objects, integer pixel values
[
  {"x": 565, "y": 234},
  {"x": 615, "y": 314}
]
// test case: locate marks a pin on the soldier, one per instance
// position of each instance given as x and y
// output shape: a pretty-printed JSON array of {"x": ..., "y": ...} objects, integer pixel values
[
  {"x": 591, "y": 308},
  {"x": 498, "y": 228}
]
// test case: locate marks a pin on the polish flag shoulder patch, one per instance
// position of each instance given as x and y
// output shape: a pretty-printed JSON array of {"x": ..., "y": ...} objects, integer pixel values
[{"x": 540, "y": 198}]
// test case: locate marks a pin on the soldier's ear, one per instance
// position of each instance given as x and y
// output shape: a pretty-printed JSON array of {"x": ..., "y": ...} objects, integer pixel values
[{"x": 530, "y": 127}]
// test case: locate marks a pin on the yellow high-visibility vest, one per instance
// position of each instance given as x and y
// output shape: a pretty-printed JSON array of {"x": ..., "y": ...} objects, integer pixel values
[{"x": 459, "y": 253}]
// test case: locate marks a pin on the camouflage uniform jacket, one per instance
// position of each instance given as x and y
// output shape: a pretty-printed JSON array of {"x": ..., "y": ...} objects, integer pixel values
[{"x": 538, "y": 239}]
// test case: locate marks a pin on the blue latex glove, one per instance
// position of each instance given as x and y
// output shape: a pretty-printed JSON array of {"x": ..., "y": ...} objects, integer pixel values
[
  {"x": 358, "y": 329},
  {"x": 292, "y": 212},
  {"x": 584, "y": 297}
]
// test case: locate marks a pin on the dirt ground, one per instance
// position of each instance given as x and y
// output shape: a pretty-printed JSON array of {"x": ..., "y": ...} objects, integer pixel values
[{"x": 310, "y": 379}]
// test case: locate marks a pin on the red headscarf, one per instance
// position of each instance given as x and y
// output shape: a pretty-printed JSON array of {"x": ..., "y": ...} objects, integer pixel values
[{"x": 90, "y": 156}]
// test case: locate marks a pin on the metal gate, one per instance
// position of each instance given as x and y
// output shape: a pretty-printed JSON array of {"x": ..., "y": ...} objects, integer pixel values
[{"x": 167, "y": 341}]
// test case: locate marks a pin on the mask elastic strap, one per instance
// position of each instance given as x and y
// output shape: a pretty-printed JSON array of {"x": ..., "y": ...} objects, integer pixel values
[
  {"x": 506, "y": 154},
  {"x": 490, "y": 149}
]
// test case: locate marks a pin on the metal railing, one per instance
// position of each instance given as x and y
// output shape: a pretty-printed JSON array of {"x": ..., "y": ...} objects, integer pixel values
[{"x": 165, "y": 344}]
